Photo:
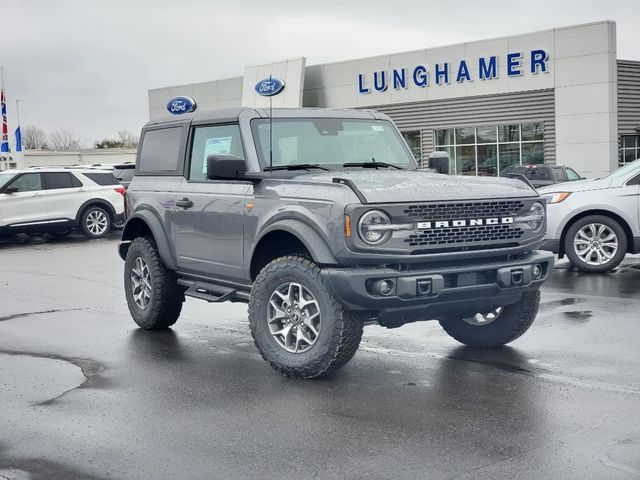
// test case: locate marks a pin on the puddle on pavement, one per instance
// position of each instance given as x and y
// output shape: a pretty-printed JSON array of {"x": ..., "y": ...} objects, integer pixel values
[{"x": 580, "y": 316}]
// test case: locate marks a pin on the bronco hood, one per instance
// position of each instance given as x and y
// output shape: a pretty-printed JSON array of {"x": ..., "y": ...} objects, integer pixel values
[{"x": 393, "y": 186}]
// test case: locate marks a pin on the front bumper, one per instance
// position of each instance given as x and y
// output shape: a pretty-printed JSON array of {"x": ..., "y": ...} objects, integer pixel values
[
  {"x": 440, "y": 291},
  {"x": 552, "y": 245}
]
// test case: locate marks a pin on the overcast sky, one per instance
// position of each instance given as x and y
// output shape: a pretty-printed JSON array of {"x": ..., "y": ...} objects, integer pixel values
[{"x": 87, "y": 65}]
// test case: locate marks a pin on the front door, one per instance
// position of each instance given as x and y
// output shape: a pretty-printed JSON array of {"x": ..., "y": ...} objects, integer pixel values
[
  {"x": 209, "y": 227},
  {"x": 27, "y": 205}
]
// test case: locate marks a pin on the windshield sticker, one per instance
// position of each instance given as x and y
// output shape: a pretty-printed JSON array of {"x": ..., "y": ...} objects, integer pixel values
[{"x": 377, "y": 128}]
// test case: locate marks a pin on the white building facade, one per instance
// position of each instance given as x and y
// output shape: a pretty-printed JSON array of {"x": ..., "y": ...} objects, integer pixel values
[{"x": 558, "y": 96}]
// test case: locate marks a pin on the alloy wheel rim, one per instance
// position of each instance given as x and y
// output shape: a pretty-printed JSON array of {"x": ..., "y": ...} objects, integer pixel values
[
  {"x": 482, "y": 319},
  {"x": 595, "y": 244},
  {"x": 293, "y": 317},
  {"x": 97, "y": 222},
  {"x": 141, "y": 283}
]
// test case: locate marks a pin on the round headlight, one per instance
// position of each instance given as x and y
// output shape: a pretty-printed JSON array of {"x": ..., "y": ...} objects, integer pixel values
[
  {"x": 371, "y": 227},
  {"x": 536, "y": 216}
]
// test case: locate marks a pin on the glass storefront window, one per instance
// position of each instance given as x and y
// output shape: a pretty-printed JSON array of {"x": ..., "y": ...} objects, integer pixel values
[
  {"x": 487, "y": 134},
  {"x": 509, "y": 133},
  {"x": 532, "y": 132},
  {"x": 629, "y": 149},
  {"x": 509, "y": 157},
  {"x": 444, "y": 137},
  {"x": 492, "y": 150},
  {"x": 465, "y": 136},
  {"x": 413, "y": 140},
  {"x": 466, "y": 160},
  {"x": 488, "y": 160},
  {"x": 532, "y": 153}
]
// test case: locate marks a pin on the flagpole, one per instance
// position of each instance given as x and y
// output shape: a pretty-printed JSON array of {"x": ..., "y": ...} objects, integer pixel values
[{"x": 20, "y": 162}]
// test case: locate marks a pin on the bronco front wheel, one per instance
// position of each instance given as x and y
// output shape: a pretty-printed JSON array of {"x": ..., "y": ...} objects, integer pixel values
[
  {"x": 153, "y": 295},
  {"x": 296, "y": 322},
  {"x": 496, "y": 326}
]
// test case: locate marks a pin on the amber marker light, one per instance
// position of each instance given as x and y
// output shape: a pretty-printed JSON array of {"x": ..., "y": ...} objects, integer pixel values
[{"x": 347, "y": 225}]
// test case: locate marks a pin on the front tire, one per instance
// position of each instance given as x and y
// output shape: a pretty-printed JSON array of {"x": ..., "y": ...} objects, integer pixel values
[
  {"x": 497, "y": 327},
  {"x": 153, "y": 295},
  {"x": 95, "y": 222},
  {"x": 297, "y": 323},
  {"x": 595, "y": 244}
]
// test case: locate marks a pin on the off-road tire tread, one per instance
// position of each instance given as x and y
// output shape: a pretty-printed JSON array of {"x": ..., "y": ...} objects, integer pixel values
[
  {"x": 346, "y": 337},
  {"x": 167, "y": 296},
  {"x": 513, "y": 322},
  {"x": 605, "y": 220}
]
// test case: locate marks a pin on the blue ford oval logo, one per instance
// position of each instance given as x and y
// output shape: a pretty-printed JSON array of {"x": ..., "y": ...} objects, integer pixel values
[
  {"x": 180, "y": 105},
  {"x": 269, "y": 87}
]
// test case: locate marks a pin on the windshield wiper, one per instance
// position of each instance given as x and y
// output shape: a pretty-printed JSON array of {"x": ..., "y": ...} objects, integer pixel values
[
  {"x": 297, "y": 166},
  {"x": 372, "y": 164}
]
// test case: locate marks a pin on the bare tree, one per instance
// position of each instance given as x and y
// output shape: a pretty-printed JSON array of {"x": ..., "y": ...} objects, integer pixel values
[
  {"x": 128, "y": 139},
  {"x": 34, "y": 138},
  {"x": 64, "y": 140}
]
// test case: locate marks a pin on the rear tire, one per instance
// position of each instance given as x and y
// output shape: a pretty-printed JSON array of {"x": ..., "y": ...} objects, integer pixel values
[
  {"x": 605, "y": 254},
  {"x": 319, "y": 337},
  {"x": 95, "y": 222},
  {"x": 510, "y": 323},
  {"x": 153, "y": 295}
]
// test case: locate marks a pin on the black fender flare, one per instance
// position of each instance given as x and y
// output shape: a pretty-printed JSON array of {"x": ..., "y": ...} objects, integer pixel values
[
  {"x": 308, "y": 236},
  {"x": 97, "y": 201},
  {"x": 153, "y": 223}
]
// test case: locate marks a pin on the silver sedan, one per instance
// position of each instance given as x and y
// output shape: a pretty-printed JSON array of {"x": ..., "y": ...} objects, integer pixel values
[{"x": 595, "y": 222}]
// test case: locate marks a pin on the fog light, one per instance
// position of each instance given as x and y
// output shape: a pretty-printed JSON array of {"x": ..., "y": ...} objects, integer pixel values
[
  {"x": 537, "y": 271},
  {"x": 384, "y": 287}
]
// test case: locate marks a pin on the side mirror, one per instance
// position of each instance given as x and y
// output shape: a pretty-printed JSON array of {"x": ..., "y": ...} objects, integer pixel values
[
  {"x": 439, "y": 162},
  {"x": 225, "y": 167},
  {"x": 10, "y": 190}
]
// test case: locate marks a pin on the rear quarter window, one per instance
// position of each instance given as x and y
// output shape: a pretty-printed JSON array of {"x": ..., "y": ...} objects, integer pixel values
[
  {"x": 160, "y": 151},
  {"x": 125, "y": 174},
  {"x": 102, "y": 178}
]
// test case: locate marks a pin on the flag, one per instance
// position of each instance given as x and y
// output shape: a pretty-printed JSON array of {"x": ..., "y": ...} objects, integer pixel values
[
  {"x": 4, "y": 147},
  {"x": 18, "y": 139}
]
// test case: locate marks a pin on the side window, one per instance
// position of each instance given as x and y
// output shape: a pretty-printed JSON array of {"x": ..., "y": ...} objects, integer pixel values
[
  {"x": 572, "y": 175},
  {"x": 102, "y": 178},
  {"x": 56, "y": 180},
  {"x": 221, "y": 139},
  {"x": 29, "y": 182},
  {"x": 160, "y": 150}
]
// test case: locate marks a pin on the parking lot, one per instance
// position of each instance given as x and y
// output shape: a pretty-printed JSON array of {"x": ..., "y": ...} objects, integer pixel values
[{"x": 85, "y": 394}]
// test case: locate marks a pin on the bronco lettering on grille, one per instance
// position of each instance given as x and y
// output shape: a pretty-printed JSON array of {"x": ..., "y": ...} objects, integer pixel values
[{"x": 472, "y": 222}]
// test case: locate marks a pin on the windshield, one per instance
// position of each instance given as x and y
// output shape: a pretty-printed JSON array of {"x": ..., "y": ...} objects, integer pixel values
[
  {"x": 629, "y": 169},
  {"x": 5, "y": 177},
  {"x": 330, "y": 142}
]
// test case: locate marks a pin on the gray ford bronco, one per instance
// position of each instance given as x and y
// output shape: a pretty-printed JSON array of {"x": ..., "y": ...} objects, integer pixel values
[{"x": 322, "y": 222}]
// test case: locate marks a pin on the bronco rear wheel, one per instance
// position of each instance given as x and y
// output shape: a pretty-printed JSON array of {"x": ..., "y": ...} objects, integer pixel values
[
  {"x": 496, "y": 326},
  {"x": 296, "y": 322}
]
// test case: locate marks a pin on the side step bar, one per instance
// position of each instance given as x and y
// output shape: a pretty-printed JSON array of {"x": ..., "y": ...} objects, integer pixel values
[{"x": 212, "y": 292}]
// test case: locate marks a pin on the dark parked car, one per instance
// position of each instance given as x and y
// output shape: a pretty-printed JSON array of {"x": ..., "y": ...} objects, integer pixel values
[
  {"x": 544, "y": 175},
  {"x": 124, "y": 173}
]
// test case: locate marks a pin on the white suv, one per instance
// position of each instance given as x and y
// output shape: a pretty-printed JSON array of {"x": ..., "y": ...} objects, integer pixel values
[{"x": 55, "y": 200}]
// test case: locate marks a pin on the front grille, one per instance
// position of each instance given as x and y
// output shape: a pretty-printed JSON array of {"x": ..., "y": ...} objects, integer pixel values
[
  {"x": 464, "y": 238},
  {"x": 458, "y": 235},
  {"x": 451, "y": 211}
]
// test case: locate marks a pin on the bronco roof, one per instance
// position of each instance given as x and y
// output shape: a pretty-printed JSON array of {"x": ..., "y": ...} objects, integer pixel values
[{"x": 233, "y": 114}]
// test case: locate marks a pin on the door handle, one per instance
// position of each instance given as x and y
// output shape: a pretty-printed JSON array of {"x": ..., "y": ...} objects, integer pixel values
[{"x": 184, "y": 203}]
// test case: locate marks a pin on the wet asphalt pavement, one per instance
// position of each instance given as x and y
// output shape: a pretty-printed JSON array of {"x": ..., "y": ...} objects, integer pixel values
[{"x": 85, "y": 394}]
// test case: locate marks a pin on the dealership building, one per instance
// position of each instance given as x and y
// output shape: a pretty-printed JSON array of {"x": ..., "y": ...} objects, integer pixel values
[{"x": 557, "y": 96}]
